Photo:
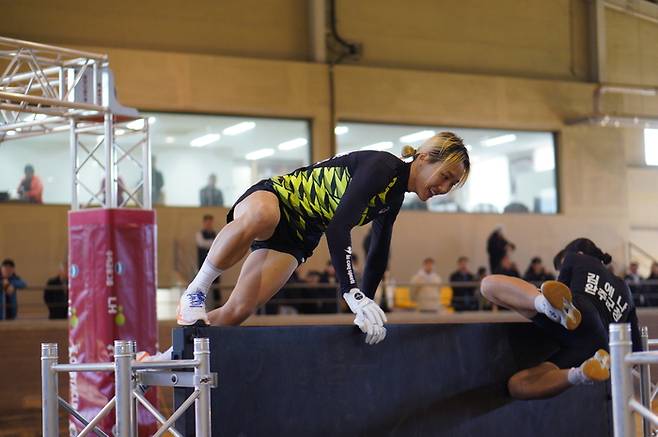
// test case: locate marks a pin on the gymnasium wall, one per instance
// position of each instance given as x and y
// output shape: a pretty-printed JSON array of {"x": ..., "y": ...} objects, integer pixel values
[{"x": 485, "y": 65}]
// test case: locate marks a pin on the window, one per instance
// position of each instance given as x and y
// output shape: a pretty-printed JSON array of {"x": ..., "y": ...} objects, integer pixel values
[
  {"x": 511, "y": 171},
  {"x": 187, "y": 149},
  {"x": 239, "y": 151},
  {"x": 651, "y": 146}
]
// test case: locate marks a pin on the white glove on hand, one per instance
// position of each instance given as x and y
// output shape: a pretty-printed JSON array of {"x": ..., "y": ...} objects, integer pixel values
[{"x": 369, "y": 317}]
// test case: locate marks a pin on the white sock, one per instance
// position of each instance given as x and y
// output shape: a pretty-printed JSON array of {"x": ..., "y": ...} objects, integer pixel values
[
  {"x": 544, "y": 307},
  {"x": 204, "y": 279},
  {"x": 576, "y": 376}
]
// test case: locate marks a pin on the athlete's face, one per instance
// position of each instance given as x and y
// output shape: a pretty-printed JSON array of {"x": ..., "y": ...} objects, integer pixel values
[{"x": 434, "y": 178}]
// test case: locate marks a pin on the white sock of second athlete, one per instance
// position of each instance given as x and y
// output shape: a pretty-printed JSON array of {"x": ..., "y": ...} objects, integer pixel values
[
  {"x": 204, "y": 278},
  {"x": 543, "y": 306}
]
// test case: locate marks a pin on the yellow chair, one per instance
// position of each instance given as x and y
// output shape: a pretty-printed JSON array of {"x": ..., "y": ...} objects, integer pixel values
[
  {"x": 445, "y": 297},
  {"x": 402, "y": 299}
]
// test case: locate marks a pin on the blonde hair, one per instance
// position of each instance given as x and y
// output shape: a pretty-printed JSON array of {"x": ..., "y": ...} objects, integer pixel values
[{"x": 443, "y": 147}]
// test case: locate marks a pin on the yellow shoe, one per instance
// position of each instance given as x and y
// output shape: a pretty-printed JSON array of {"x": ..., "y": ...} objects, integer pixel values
[
  {"x": 597, "y": 368},
  {"x": 559, "y": 296}
]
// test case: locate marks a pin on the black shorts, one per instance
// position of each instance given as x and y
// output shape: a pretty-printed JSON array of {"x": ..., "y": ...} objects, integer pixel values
[
  {"x": 580, "y": 344},
  {"x": 285, "y": 237}
]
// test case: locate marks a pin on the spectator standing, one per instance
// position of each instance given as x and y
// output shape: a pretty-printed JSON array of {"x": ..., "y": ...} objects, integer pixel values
[
  {"x": 210, "y": 195},
  {"x": 497, "y": 247},
  {"x": 30, "y": 189},
  {"x": 157, "y": 183},
  {"x": 463, "y": 298}
]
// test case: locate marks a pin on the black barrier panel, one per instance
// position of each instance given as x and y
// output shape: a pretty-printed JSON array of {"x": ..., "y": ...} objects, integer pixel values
[{"x": 423, "y": 380}]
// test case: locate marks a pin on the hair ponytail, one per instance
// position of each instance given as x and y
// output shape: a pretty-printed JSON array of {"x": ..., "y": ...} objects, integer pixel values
[
  {"x": 408, "y": 151},
  {"x": 588, "y": 247}
]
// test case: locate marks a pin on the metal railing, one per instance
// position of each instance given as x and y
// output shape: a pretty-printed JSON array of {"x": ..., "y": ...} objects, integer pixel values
[
  {"x": 132, "y": 380},
  {"x": 624, "y": 402},
  {"x": 304, "y": 294}
]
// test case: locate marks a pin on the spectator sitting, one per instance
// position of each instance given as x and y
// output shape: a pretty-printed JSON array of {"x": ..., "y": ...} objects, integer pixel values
[
  {"x": 425, "y": 289},
  {"x": 536, "y": 273},
  {"x": 463, "y": 298},
  {"x": 651, "y": 289},
  {"x": 312, "y": 292},
  {"x": 484, "y": 304},
  {"x": 210, "y": 195},
  {"x": 507, "y": 267},
  {"x": 11, "y": 282},
  {"x": 328, "y": 276},
  {"x": 634, "y": 281},
  {"x": 56, "y": 294},
  {"x": 329, "y": 294},
  {"x": 30, "y": 189}
]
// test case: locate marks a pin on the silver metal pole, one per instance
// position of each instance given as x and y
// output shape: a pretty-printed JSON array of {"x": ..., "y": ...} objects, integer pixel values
[
  {"x": 91, "y": 426},
  {"x": 147, "y": 200},
  {"x": 49, "y": 48},
  {"x": 73, "y": 144},
  {"x": 123, "y": 391},
  {"x": 21, "y": 98},
  {"x": 49, "y": 402},
  {"x": 645, "y": 382},
  {"x": 110, "y": 190},
  {"x": 178, "y": 413},
  {"x": 201, "y": 374},
  {"x": 151, "y": 409},
  {"x": 621, "y": 382},
  {"x": 134, "y": 429}
]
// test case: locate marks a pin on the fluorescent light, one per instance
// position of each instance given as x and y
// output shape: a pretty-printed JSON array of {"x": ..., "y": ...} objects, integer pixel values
[
  {"x": 11, "y": 133},
  {"x": 40, "y": 116},
  {"x": 152, "y": 120},
  {"x": 495, "y": 141},
  {"x": 170, "y": 140},
  {"x": 119, "y": 131},
  {"x": 417, "y": 136},
  {"x": 341, "y": 130},
  {"x": 239, "y": 128},
  {"x": 293, "y": 144},
  {"x": 651, "y": 146},
  {"x": 259, "y": 154},
  {"x": 383, "y": 145},
  {"x": 136, "y": 124},
  {"x": 205, "y": 140}
]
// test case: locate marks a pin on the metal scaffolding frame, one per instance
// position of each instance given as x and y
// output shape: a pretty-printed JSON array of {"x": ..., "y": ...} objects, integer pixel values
[
  {"x": 624, "y": 402},
  {"x": 132, "y": 380},
  {"x": 47, "y": 89}
]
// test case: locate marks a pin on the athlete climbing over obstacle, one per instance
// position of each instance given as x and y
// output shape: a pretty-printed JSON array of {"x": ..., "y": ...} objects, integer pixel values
[
  {"x": 575, "y": 310},
  {"x": 283, "y": 218}
]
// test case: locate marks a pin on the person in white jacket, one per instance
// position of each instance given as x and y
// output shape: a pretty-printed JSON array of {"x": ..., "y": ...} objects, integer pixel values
[{"x": 426, "y": 287}]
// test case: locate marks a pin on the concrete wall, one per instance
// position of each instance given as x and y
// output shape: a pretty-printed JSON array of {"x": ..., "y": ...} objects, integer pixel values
[{"x": 471, "y": 64}]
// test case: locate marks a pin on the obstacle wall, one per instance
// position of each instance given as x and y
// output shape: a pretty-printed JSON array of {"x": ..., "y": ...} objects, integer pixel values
[{"x": 439, "y": 380}]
